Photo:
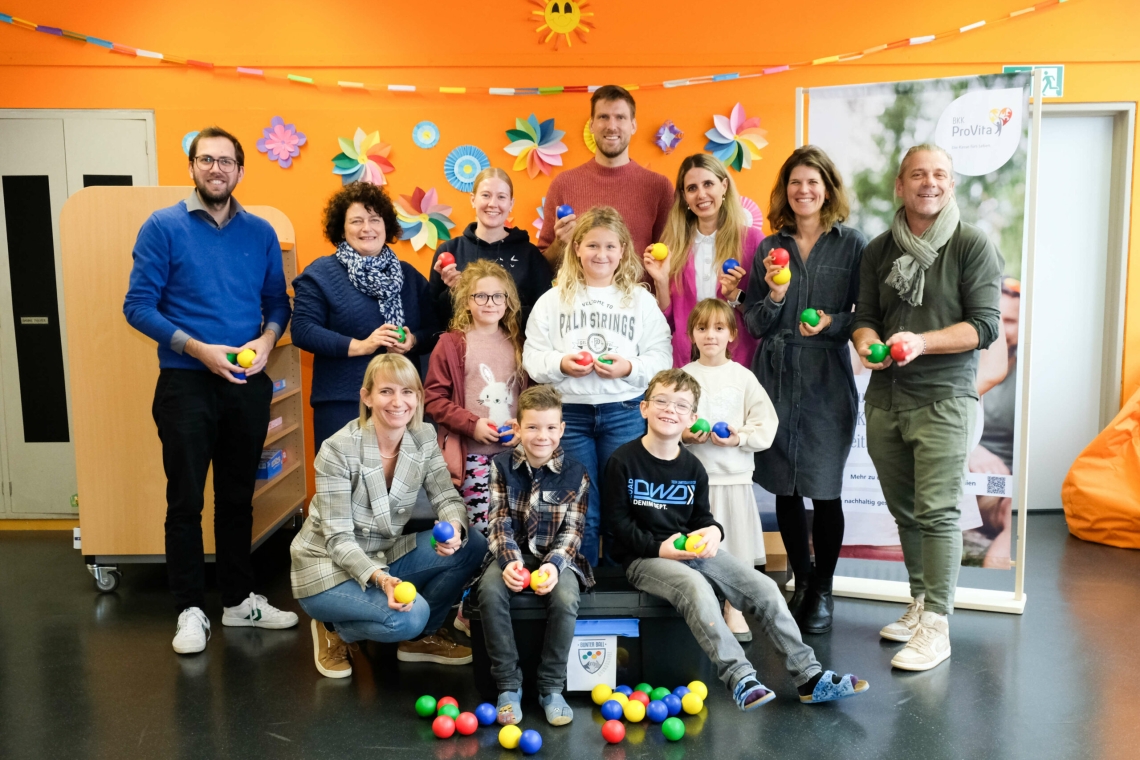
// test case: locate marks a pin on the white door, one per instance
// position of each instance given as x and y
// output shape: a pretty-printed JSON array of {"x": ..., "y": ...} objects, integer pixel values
[
  {"x": 42, "y": 162},
  {"x": 1070, "y": 281}
]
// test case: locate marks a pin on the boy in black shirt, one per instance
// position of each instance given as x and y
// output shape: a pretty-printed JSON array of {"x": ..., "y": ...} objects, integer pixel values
[{"x": 656, "y": 492}]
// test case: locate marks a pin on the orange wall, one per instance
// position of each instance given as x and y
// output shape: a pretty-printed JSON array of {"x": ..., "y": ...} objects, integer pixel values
[{"x": 448, "y": 43}]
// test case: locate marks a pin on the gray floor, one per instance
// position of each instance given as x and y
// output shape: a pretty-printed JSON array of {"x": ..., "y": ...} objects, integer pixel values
[{"x": 84, "y": 675}]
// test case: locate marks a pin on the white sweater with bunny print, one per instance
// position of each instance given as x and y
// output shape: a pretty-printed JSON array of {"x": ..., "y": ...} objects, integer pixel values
[
  {"x": 597, "y": 321},
  {"x": 731, "y": 393}
]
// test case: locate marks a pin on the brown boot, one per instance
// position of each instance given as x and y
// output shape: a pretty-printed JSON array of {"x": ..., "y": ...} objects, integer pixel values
[
  {"x": 330, "y": 652},
  {"x": 439, "y": 648}
]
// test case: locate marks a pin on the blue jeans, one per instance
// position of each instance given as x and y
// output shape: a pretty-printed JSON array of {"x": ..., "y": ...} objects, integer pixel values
[
  {"x": 364, "y": 614},
  {"x": 593, "y": 433}
]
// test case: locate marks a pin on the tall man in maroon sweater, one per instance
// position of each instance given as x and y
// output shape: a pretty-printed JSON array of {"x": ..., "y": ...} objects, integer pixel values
[{"x": 642, "y": 197}]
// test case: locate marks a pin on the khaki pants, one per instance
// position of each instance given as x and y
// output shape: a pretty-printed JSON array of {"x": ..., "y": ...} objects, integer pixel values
[{"x": 920, "y": 456}]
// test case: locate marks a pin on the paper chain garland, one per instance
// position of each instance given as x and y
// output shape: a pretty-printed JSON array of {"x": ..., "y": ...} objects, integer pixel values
[
  {"x": 423, "y": 219},
  {"x": 127, "y": 50}
]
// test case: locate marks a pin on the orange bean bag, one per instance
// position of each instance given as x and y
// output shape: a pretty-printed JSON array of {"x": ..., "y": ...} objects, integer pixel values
[{"x": 1101, "y": 493}]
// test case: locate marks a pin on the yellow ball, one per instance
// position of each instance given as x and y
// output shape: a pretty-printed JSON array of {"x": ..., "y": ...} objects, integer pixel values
[
  {"x": 509, "y": 736},
  {"x": 246, "y": 357},
  {"x": 404, "y": 593},
  {"x": 537, "y": 578},
  {"x": 634, "y": 711},
  {"x": 694, "y": 543},
  {"x": 692, "y": 703},
  {"x": 783, "y": 277},
  {"x": 659, "y": 251},
  {"x": 699, "y": 688},
  {"x": 619, "y": 697},
  {"x": 601, "y": 694}
]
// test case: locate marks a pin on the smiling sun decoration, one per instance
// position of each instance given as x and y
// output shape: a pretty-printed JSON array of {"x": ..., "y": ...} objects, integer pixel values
[{"x": 560, "y": 19}]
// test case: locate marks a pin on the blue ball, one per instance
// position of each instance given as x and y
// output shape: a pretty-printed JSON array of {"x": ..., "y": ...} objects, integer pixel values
[
  {"x": 624, "y": 690},
  {"x": 486, "y": 713},
  {"x": 562, "y": 211},
  {"x": 658, "y": 710},
  {"x": 443, "y": 532},
  {"x": 681, "y": 691},
  {"x": 729, "y": 265},
  {"x": 672, "y": 703},
  {"x": 612, "y": 709},
  {"x": 721, "y": 429},
  {"x": 530, "y": 741},
  {"x": 506, "y": 438}
]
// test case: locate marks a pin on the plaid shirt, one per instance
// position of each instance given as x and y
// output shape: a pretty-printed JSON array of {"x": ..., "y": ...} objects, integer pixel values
[
  {"x": 356, "y": 523},
  {"x": 545, "y": 509}
]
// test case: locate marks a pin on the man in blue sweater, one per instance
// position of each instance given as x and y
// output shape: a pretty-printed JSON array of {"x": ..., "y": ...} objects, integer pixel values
[{"x": 208, "y": 281}]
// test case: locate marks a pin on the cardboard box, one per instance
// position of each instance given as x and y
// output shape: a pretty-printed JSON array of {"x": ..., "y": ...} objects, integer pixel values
[
  {"x": 278, "y": 385},
  {"x": 271, "y": 464},
  {"x": 594, "y": 652},
  {"x": 275, "y": 423}
]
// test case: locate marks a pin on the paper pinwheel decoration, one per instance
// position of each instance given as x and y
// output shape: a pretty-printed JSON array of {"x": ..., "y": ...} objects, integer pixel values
[
  {"x": 281, "y": 142},
  {"x": 363, "y": 159},
  {"x": 187, "y": 139},
  {"x": 668, "y": 136},
  {"x": 736, "y": 140},
  {"x": 536, "y": 147},
  {"x": 423, "y": 219},
  {"x": 588, "y": 137},
  {"x": 425, "y": 134},
  {"x": 462, "y": 165},
  {"x": 538, "y": 222},
  {"x": 753, "y": 217}
]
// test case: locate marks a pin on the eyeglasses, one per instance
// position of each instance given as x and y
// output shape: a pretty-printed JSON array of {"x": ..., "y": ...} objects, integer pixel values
[
  {"x": 660, "y": 403},
  {"x": 496, "y": 298},
  {"x": 224, "y": 163}
]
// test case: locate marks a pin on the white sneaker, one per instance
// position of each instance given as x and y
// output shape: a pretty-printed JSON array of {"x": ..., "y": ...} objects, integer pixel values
[
  {"x": 256, "y": 612},
  {"x": 193, "y": 631},
  {"x": 929, "y": 647},
  {"x": 903, "y": 629}
]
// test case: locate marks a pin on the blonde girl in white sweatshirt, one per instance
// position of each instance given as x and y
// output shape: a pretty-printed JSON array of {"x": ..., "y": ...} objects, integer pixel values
[{"x": 598, "y": 336}]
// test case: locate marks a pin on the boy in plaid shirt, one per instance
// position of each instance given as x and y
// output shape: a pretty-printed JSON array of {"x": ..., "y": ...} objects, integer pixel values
[{"x": 538, "y": 501}]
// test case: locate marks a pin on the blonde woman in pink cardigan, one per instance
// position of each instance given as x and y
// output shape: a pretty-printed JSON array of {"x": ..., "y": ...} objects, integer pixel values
[{"x": 706, "y": 228}]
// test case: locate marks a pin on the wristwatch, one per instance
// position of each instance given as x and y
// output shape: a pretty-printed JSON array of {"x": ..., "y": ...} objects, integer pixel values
[{"x": 739, "y": 298}]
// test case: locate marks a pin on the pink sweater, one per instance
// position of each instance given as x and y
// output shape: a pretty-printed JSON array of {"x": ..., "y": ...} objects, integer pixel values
[
  {"x": 642, "y": 197},
  {"x": 683, "y": 297}
]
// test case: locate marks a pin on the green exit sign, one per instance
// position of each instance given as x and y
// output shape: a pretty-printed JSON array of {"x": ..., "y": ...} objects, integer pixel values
[{"x": 1052, "y": 82}]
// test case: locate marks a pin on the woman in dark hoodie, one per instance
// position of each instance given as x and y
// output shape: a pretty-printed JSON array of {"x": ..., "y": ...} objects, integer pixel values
[{"x": 489, "y": 238}]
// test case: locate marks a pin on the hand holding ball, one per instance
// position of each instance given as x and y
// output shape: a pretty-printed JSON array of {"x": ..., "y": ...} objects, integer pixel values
[
  {"x": 562, "y": 211},
  {"x": 537, "y": 578},
  {"x": 729, "y": 265},
  {"x": 780, "y": 257},
  {"x": 679, "y": 543},
  {"x": 809, "y": 317},
  {"x": 721, "y": 430},
  {"x": 404, "y": 593},
  {"x": 694, "y": 544},
  {"x": 525, "y": 578},
  {"x": 443, "y": 532},
  {"x": 700, "y": 426},
  {"x": 658, "y": 251},
  {"x": 898, "y": 352},
  {"x": 509, "y": 434},
  {"x": 584, "y": 358},
  {"x": 446, "y": 260},
  {"x": 879, "y": 353},
  {"x": 783, "y": 277}
]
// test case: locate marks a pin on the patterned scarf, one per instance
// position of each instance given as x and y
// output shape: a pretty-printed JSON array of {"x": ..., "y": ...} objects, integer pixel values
[
  {"x": 908, "y": 273},
  {"x": 378, "y": 277}
]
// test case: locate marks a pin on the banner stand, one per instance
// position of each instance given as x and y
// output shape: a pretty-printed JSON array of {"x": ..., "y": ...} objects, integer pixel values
[{"x": 987, "y": 600}]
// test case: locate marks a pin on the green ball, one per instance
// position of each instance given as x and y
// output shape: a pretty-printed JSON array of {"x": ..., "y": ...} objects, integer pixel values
[
  {"x": 644, "y": 688},
  {"x": 679, "y": 544},
  {"x": 879, "y": 352},
  {"x": 450, "y": 711},
  {"x": 425, "y": 706},
  {"x": 231, "y": 358},
  {"x": 700, "y": 426},
  {"x": 660, "y": 691},
  {"x": 809, "y": 317},
  {"x": 606, "y": 361},
  {"x": 402, "y": 336},
  {"x": 673, "y": 729}
]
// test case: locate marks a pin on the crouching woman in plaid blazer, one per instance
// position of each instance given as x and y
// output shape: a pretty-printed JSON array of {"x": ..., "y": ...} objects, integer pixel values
[{"x": 352, "y": 552}]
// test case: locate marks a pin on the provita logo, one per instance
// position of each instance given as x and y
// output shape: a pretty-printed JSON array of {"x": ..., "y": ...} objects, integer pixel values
[{"x": 998, "y": 118}]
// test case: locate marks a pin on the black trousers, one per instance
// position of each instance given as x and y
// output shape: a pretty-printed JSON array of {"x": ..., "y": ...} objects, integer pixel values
[
  {"x": 203, "y": 418},
  {"x": 826, "y": 535}
]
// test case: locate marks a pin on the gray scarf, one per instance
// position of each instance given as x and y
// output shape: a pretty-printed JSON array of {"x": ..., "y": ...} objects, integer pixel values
[{"x": 908, "y": 274}]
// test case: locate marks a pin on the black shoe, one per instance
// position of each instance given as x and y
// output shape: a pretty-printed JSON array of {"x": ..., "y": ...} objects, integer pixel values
[
  {"x": 818, "y": 608},
  {"x": 799, "y": 597}
]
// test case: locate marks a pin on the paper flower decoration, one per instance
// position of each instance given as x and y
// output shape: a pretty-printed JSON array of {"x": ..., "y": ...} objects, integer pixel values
[
  {"x": 364, "y": 159},
  {"x": 753, "y": 217},
  {"x": 538, "y": 222},
  {"x": 560, "y": 18},
  {"x": 423, "y": 219},
  {"x": 281, "y": 142},
  {"x": 536, "y": 147},
  {"x": 462, "y": 165},
  {"x": 588, "y": 137},
  {"x": 668, "y": 137},
  {"x": 187, "y": 139},
  {"x": 736, "y": 140},
  {"x": 425, "y": 134}
]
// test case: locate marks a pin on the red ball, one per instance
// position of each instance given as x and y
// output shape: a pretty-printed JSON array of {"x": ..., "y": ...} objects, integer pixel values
[
  {"x": 585, "y": 358},
  {"x": 526, "y": 578},
  {"x": 445, "y": 701},
  {"x": 466, "y": 723},
  {"x": 780, "y": 257},
  {"x": 613, "y": 731},
  {"x": 898, "y": 352},
  {"x": 443, "y": 727},
  {"x": 641, "y": 697},
  {"x": 446, "y": 260}
]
